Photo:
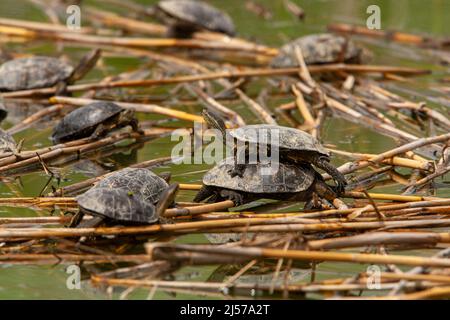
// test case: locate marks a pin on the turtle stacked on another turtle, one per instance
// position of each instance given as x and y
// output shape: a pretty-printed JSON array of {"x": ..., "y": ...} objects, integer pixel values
[{"x": 295, "y": 179}]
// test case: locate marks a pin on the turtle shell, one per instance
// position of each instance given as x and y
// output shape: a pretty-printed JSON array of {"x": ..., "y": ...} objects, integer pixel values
[
  {"x": 117, "y": 204},
  {"x": 199, "y": 14},
  {"x": 82, "y": 122},
  {"x": 138, "y": 181},
  {"x": 272, "y": 177},
  {"x": 280, "y": 136},
  {"x": 317, "y": 49},
  {"x": 7, "y": 143},
  {"x": 33, "y": 72}
]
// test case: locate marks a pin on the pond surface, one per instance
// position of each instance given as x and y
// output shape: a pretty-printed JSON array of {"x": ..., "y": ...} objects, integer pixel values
[{"x": 416, "y": 16}]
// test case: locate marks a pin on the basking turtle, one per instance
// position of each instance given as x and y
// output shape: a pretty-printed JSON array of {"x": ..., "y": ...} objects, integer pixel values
[
  {"x": 93, "y": 120},
  {"x": 318, "y": 49},
  {"x": 33, "y": 72},
  {"x": 271, "y": 181},
  {"x": 293, "y": 145},
  {"x": 41, "y": 72},
  {"x": 120, "y": 205},
  {"x": 138, "y": 181},
  {"x": 187, "y": 16}
]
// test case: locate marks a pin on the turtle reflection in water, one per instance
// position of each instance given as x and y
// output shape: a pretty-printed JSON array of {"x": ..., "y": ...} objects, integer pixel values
[
  {"x": 94, "y": 120},
  {"x": 272, "y": 180}
]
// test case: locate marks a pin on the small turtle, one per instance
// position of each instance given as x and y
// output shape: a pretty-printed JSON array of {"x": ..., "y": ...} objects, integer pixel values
[
  {"x": 138, "y": 181},
  {"x": 187, "y": 16},
  {"x": 7, "y": 143},
  {"x": 272, "y": 180},
  {"x": 119, "y": 205},
  {"x": 93, "y": 120},
  {"x": 318, "y": 49},
  {"x": 293, "y": 145},
  {"x": 41, "y": 72}
]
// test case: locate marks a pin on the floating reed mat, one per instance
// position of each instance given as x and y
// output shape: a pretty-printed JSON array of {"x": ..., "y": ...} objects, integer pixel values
[{"x": 234, "y": 225}]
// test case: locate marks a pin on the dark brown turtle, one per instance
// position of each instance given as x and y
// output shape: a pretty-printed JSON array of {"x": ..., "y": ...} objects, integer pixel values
[
  {"x": 187, "y": 16},
  {"x": 93, "y": 120},
  {"x": 293, "y": 145},
  {"x": 271, "y": 181},
  {"x": 120, "y": 206},
  {"x": 41, "y": 72},
  {"x": 318, "y": 49}
]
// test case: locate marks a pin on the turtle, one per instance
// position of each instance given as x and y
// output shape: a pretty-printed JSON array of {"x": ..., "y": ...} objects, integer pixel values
[
  {"x": 42, "y": 71},
  {"x": 187, "y": 16},
  {"x": 139, "y": 181},
  {"x": 33, "y": 72},
  {"x": 274, "y": 180},
  {"x": 94, "y": 120},
  {"x": 8, "y": 144},
  {"x": 318, "y": 49},
  {"x": 294, "y": 145},
  {"x": 120, "y": 205}
]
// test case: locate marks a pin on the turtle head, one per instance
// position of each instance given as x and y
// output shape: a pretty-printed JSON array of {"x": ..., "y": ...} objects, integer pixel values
[
  {"x": 126, "y": 115},
  {"x": 214, "y": 121}
]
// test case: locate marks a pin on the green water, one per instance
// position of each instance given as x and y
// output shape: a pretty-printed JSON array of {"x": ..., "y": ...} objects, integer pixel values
[{"x": 417, "y": 16}]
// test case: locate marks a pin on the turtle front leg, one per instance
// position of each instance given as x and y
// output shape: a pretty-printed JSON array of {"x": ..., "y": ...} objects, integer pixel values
[
  {"x": 234, "y": 196},
  {"x": 99, "y": 131},
  {"x": 134, "y": 124},
  {"x": 324, "y": 191},
  {"x": 75, "y": 220},
  {"x": 324, "y": 163}
]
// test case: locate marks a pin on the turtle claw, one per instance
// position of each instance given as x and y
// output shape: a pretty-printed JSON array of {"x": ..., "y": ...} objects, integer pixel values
[
  {"x": 236, "y": 197},
  {"x": 340, "y": 187}
]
